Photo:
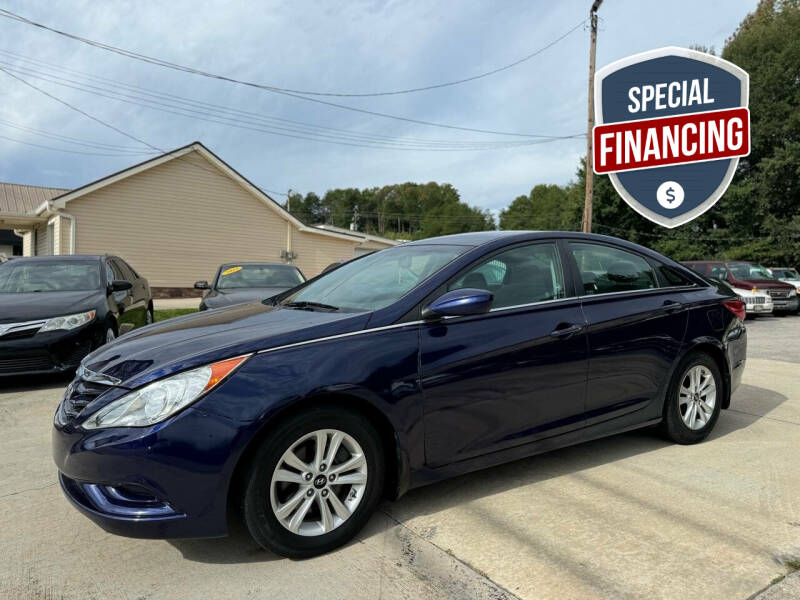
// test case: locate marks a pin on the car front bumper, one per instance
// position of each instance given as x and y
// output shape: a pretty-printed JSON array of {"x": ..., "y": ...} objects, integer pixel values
[
  {"x": 48, "y": 352},
  {"x": 785, "y": 305},
  {"x": 169, "y": 480}
]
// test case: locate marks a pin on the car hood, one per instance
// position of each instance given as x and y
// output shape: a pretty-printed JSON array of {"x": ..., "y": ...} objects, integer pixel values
[
  {"x": 197, "y": 339},
  {"x": 218, "y": 298},
  {"x": 767, "y": 284},
  {"x": 15, "y": 308}
]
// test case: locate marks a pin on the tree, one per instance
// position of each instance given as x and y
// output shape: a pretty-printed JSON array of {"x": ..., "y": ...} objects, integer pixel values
[
  {"x": 405, "y": 211},
  {"x": 758, "y": 218},
  {"x": 547, "y": 207}
]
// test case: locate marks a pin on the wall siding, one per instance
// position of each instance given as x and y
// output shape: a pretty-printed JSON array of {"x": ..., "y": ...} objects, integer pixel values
[
  {"x": 177, "y": 222},
  {"x": 42, "y": 247},
  {"x": 315, "y": 252}
]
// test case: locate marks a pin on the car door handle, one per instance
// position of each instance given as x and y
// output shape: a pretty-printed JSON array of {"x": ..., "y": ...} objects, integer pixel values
[
  {"x": 566, "y": 330},
  {"x": 671, "y": 306}
]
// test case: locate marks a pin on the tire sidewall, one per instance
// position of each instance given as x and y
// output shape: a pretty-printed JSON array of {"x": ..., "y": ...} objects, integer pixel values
[
  {"x": 257, "y": 508},
  {"x": 674, "y": 426}
]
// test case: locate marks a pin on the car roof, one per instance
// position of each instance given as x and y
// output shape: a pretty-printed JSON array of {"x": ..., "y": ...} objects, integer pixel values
[
  {"x": 256, "y": 262},
  {"x": 60, "y": 257},
  {"x": 480, "y": 238}
]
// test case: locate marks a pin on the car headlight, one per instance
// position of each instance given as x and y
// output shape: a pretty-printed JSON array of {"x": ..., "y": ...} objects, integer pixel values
[
  {"x": 156, "y": 401},
  {"x": 68, "y": 321},
  {"x": 792, "y": 293}
]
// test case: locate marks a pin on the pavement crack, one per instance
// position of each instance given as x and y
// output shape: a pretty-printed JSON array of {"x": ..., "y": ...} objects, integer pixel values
[
  {"x": 33, "y": 489},
  {"x": 476, "y": 571},
  {"x": 744, "y": 412}
]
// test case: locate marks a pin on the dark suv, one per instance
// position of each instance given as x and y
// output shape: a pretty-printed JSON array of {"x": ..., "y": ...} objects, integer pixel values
[
  {"x": 749, "y": 276},
  {"x": 54, "y": 310}
]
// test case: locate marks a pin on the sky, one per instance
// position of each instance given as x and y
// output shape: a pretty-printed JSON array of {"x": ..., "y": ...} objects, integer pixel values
[{"x": 358, "y": 46}]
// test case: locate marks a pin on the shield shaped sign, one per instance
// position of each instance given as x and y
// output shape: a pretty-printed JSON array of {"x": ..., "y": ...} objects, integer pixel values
[{"x": 671, "y": 126}]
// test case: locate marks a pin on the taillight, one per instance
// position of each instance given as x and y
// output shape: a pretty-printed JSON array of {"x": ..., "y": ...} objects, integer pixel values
[{"x": 737, "y": 307}]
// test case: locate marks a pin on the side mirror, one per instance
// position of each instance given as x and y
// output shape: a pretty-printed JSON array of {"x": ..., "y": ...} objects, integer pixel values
[
  {"x": 120, "y": 285},
  {"x": 456, "y": 303},
  {"x": 201, "y": 285}
]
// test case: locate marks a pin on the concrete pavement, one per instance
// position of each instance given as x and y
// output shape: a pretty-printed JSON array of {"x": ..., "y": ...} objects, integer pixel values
[{"x": 626, "y": 517}]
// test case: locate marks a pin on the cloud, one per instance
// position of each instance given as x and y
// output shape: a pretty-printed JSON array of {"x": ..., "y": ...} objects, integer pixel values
[{"x": 348, "y": 46}]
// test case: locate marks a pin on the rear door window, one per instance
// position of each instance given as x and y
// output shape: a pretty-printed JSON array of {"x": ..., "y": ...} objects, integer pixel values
[
  {"x": 672, "y": 277},
  {"x": 606, "y": 270},
  {"x": 115, "y": 268}
]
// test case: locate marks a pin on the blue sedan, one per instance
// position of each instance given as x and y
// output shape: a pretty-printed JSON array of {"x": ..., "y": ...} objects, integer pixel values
[{"x": 398, "y": 369}]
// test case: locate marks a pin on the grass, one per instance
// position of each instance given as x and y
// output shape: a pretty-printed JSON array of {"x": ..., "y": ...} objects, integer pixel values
[{"x": 168, "y": 313}]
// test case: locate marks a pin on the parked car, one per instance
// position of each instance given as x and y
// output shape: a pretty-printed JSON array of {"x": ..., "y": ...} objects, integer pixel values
[
  {"x": 236, "y": 283},
  {"x": 787, "y": 275},
  {"x": 54, "y": 310},
  {"x": 756, "y": 303},
  {"x": 338, "y": 263},
  {"x": 749, "y": 277},
  {"x": 398, "y": 369}
]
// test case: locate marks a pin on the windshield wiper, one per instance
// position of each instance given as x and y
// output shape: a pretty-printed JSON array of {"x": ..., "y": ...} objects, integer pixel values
[{"x": 310, "y": 305}]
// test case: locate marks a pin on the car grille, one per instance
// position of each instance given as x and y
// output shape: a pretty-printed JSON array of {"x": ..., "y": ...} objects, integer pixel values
[
  {"x": 778, "y": 293},
  {"x": 35, "y": 362},
  {"x": 78, "y": 395},
  {"x": 755, "y": 300}
]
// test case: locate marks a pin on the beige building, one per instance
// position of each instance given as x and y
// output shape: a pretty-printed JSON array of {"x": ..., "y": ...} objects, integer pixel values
[{"x": 174, "y": 218}]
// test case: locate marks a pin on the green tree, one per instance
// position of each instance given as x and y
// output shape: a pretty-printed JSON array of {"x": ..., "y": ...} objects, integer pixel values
[{"x": 546, "y": 207}]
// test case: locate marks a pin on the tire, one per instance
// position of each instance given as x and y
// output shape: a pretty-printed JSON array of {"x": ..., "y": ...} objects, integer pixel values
[
  {"x": 263, "y": 495},
  {"x": 109, "y": 334},
  {"x": 681, "y": 398},
  {"x": 149, "y": 317}
]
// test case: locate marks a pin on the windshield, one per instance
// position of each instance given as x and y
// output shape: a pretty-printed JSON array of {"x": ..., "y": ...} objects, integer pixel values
[
  {"x": 786, "y": 273},
  {"x": 71, "y": 276},
  {"x": 258, "y": 276},
  {"x": 749, "y": 271},
  {"x": 377, "y": 280}
]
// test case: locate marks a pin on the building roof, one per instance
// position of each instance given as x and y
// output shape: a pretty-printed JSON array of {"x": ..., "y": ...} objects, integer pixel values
[
  {"x": 24, "y": 199},
  {"x": 37, "y": 205},
  {"x": 366, "y": 236}
]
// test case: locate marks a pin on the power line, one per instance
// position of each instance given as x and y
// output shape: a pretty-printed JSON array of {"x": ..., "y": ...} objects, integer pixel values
[
  {"x": 190, "y": 70},
  {"x": 78, "y": 110},
  {"x": 349, "y": 139},
  {"x": 49, "y": 69},
  {"x": 164, "y": 63},
  {"x": 122, "y": 150},
  {"x": 66, "y": 150}
]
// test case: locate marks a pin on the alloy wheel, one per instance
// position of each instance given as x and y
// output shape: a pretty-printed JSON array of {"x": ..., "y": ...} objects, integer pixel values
[
  {"x": 697, "y": 396},
  {"x": 110, "y": 335},
  {"x": 319, "y": 482}
]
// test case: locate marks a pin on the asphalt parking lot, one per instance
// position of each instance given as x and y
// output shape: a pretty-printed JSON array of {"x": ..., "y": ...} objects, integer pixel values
[{"x": 626, "y": 517}]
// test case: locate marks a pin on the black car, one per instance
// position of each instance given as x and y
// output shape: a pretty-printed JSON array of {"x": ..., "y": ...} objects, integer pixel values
[
  {"x": 236, "y": 283},
  {"x": 54, "y": 310}
]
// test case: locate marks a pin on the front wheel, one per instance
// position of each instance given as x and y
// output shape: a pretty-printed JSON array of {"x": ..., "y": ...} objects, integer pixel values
[
  {"x": 694, "y": 399},
  {"x": 313, "y": 483}
]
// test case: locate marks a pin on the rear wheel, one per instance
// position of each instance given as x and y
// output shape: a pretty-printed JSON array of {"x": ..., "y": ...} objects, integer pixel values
[
  {"x": 694, "y": 399},
  {"x": 313, "y": 483}
]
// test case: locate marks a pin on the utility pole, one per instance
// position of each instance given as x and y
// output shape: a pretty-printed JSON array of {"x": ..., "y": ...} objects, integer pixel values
[{"x": 587, "y": 206}]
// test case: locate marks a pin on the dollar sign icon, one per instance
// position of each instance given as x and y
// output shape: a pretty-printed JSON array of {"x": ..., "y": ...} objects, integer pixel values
[{"x": 670, "y": 194}]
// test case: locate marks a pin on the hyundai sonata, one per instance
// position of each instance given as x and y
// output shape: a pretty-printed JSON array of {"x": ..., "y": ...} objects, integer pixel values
[{"x": 398, "y": 369}]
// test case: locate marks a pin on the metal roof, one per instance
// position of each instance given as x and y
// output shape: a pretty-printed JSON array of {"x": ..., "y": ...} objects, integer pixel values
[{"x": 25, "y": 199}]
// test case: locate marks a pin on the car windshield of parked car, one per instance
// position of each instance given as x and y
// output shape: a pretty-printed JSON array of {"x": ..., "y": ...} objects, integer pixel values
[
  {"x": 786, "y": 273},
  {"x": 377, "y": 280},
  {"x": 71, "y": 276},
  {"x": 749, "y": 271},
  {"x": 233, "y": 277}
]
